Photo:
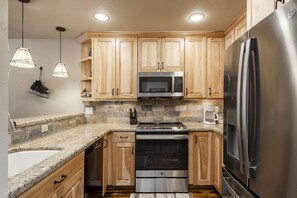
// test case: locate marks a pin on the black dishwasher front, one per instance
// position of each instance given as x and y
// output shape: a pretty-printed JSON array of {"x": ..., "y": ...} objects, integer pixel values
[{"x": 94, "y": 169}]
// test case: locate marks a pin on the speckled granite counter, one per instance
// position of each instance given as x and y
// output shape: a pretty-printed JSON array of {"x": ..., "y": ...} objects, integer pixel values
[{"x": 71, "y": 142}]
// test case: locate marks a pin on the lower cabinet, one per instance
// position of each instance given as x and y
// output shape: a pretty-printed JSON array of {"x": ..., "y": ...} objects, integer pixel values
[
  {"x": 123, "y": 159},
  {"x": 205, "y": 159},
  {"x": 66, "y": 182},
  {"x": 217, "y": 153}
]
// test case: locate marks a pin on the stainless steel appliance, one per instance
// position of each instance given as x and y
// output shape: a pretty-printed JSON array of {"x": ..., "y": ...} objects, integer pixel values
[
  {"x": 260, "y": 109},
  {"x": 160, "y": 84},
  {"x": 161, "y": 159},
  {"x": 94, "y": 169}
]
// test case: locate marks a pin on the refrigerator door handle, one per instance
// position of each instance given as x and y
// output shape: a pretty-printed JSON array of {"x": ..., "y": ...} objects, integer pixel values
[
  {"x": 245, "y": 107},
  {"x": 239, "y": 106}
]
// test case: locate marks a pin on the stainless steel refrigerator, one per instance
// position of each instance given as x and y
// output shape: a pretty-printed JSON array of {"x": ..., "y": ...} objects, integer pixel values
[{"x": 260, "y": 109}]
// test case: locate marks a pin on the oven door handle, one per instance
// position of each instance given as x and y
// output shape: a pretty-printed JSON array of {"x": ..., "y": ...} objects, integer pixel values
[{"x": 161, "y": 137}]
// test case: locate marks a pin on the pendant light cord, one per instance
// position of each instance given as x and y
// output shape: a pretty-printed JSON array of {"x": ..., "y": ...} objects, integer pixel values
[
  {"x": 60, "y": 47},
  {"x": 22, "y": 24}
]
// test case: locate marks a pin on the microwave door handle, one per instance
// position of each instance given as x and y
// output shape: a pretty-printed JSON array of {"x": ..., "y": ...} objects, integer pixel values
[
  {"x": 239, "y": 107},
  {"x": 173, "y": 82}
]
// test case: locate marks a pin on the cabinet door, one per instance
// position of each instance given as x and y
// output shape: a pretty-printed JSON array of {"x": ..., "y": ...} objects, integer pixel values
[
  {"x": 203, "y": 168},
  {"x": 229, "y": 39},
  {"x": 172, "y": 54},
  {"x": 195, "y": 68},
  {"x": 103, "y": 67},
  {"x": 123, "y": 164},
  {"x": 217, "y": 161},
  {"x": 258, "y": 10},
  {"x": 75, "y": 187},
  {"x": 240, "y": 29},
  {"x": 149, "y": 51},
  {"x": 126, "y": 67},
  {"x": 215, "y": 67},
  {"x": 105, "y": 165}
]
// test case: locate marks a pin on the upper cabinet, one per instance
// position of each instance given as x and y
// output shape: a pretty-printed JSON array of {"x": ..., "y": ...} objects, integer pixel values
[
  {"x": 215, "y": 67},
  {"x": 160, "y": 55},
  {"x": 258, "y": 10},
  {"x": 195, "y": 68},
  {"x": 236, "y": 29},
  {"x": 114, "y": 68}
]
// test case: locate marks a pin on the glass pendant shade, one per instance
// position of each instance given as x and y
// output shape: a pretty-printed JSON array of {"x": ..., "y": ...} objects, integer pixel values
[
  {"x": 60, "y": 70},
  {"x": 22, "y": 58}
]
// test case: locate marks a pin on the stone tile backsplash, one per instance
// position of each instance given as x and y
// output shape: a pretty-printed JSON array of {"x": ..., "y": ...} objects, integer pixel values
[
  {"x": 29, "y": 132},
  {"x": 152, "y": 110}
]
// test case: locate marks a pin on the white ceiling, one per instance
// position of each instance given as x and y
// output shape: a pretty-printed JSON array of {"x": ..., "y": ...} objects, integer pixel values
[{"x": 42, "y": 16}]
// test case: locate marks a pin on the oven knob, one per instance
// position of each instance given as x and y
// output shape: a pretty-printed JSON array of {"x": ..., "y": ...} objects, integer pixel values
[{"x": 161, "y": 173}]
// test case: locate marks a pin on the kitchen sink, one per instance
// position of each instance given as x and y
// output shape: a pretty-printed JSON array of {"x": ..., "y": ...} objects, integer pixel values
[{"x": 21, "y": 160}]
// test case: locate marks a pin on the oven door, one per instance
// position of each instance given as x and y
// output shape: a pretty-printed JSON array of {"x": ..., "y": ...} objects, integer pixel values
[{"x": 162, "y": 152}]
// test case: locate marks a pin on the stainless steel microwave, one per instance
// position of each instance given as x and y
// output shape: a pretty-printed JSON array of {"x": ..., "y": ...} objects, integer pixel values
[{"x": 160, "y": 84}]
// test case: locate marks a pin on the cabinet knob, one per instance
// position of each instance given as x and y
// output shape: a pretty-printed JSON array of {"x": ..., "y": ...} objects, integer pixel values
[
  {"x": 209, "y": 91},
  {"x": 132, "y": 150},
  {"x": 195, "y": 139},
  {"x": 162, "y": 65},
  {"x": 186, "y": 91},
  {"x": 113, "y": 92},
  {"x": 158, "y": 65},
  {"x": 117, "y": 91}
]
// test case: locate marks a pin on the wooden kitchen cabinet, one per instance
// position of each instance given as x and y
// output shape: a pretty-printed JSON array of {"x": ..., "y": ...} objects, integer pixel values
[
  {"x": 123, "y": 159},
  {"x": 202, "y": 158},
  {"x": 215, "y": 67},
  {"x": 67, "y": 181},
  {"x": 104, "y": 68},
  {"x": 258, "y": 10},
  {"x": 114, "y": 68},
  {"x": 229, "y": 38},
  {"x": 217, "y": 152},
  {"x": 195, "y": 68},
  {"x": 160, "y": 54}
]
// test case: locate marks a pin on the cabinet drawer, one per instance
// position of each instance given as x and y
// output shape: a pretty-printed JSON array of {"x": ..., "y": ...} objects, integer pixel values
[
  {"x": 123, "y": 137},
  {"x": 54, "y": 182}
]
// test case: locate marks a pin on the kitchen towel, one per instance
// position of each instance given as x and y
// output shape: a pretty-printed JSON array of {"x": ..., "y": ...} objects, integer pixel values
[{"x": 160, "y": 195}]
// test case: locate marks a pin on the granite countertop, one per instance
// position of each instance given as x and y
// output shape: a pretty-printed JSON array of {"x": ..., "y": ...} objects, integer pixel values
[{"x": 71, "y": 142}]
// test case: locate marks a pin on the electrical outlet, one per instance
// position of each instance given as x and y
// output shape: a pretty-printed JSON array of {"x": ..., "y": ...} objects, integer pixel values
[
  {"x": 44, "y": 128},
  {"x": 89, "y": 110}
]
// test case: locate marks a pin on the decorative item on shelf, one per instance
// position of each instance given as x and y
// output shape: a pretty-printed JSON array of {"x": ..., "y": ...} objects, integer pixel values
[
  {"x": 133, "y": 116},
  {"x": 60, "y": 68},
  {"x": 22, "y": 57},
  {"x": 85, "y": 94},
  {"x": 38, "y": 89}
]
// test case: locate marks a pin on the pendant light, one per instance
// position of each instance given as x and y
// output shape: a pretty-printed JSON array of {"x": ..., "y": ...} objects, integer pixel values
[
  {"x": 60, "y": 69},
  {"x": 22, "y": 57}
]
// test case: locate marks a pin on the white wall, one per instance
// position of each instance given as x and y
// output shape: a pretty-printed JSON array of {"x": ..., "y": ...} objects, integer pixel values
[
  {"x": 3, "y": 96},
  {"x": 66, "y": 91}
]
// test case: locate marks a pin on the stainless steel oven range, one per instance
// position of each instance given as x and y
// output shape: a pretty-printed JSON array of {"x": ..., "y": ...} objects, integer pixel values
[{"x": 161, "y": 160}]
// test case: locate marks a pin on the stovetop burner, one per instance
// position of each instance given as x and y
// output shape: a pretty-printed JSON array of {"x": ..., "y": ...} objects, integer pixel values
[{"x": 161, "y": 127}]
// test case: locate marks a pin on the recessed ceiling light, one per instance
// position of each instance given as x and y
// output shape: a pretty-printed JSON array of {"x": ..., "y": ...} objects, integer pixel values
[
  {"x": 101, "y": 17},
  {"x": 196, "y": 17}
]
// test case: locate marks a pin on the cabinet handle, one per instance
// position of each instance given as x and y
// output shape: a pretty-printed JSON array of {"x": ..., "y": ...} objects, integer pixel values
[
  {"x": 63, "y": 177},
  {"x": 124, "y": 137},
  {"x": 162, "y": 65},
  {"x": 158, "y": 65},
  {"x": 113, "y": 92},
  {"x": 132, "y": 150},
  {"x": 186, "y": 91},
  {"x": 117, "y": 91},
  {"x": 195, "y": 139},
  {"x": 105, "y": 143},
  {"x": 209, "y": 91}
]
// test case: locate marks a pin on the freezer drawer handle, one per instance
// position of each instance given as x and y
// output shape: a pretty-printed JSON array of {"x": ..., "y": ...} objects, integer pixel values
[{"x": 232, "y": 192}]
